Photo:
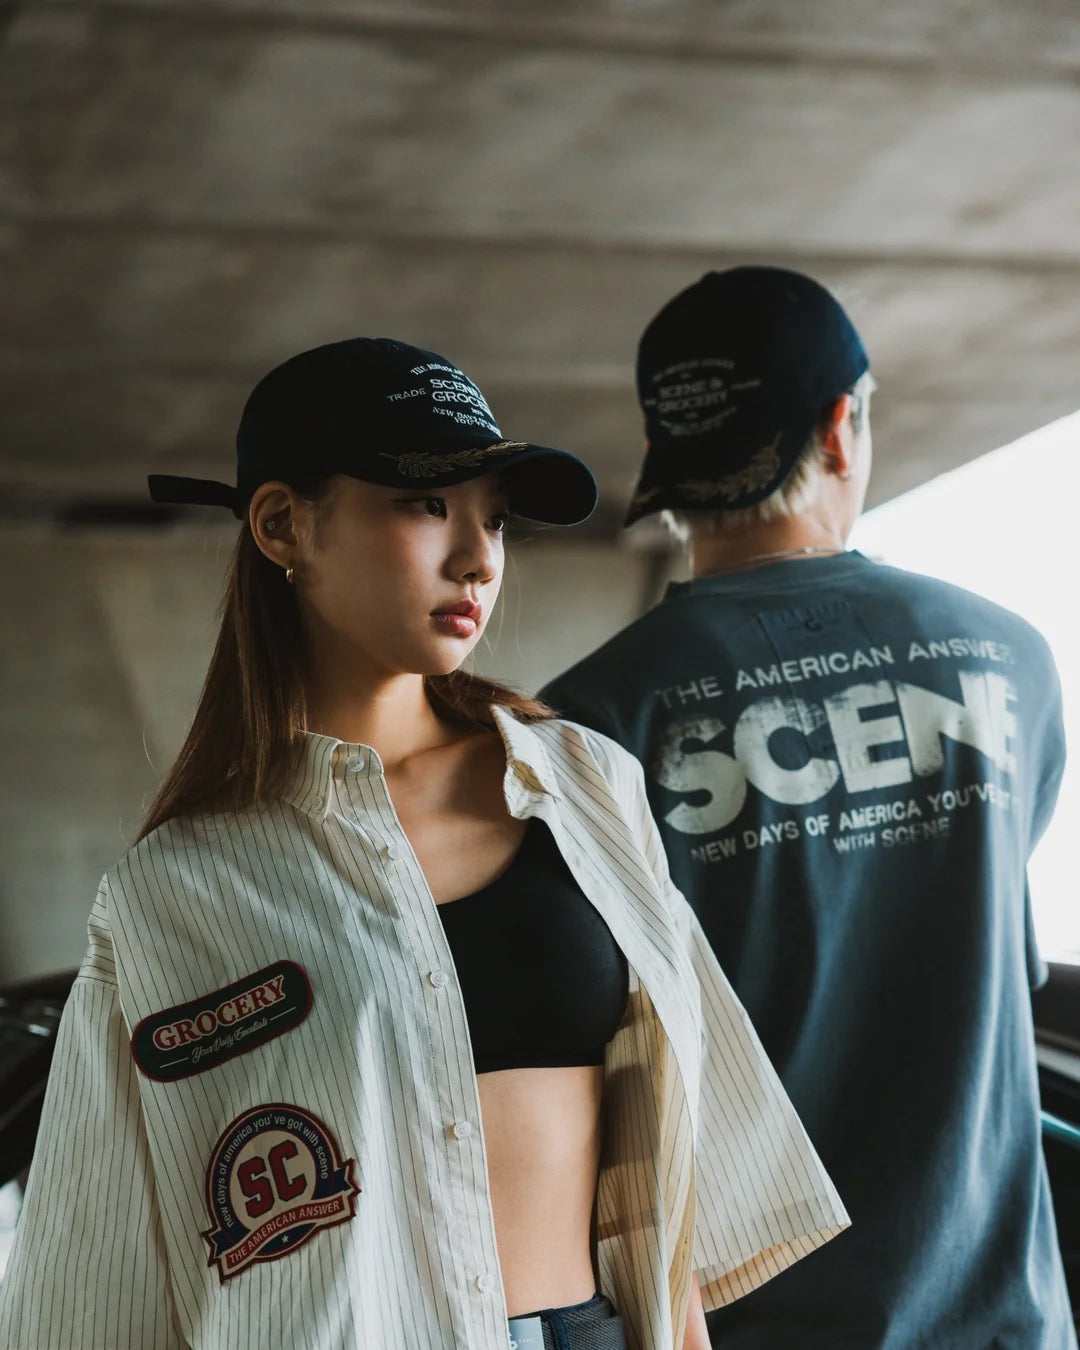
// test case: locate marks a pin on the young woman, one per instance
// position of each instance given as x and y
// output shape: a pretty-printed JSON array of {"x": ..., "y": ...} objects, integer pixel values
[{"x": 392, "y": 1027}]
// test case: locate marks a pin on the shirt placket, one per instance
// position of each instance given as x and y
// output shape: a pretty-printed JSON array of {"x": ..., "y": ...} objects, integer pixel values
[
  {"x": 470, "y": 1248},
  {"x": 642, "y": 961}
]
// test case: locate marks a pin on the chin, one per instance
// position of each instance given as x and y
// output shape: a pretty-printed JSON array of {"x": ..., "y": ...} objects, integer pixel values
[{"x": 446, "y": 659}]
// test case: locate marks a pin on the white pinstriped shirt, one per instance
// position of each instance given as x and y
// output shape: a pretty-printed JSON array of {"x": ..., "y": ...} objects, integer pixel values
[{"x": 325, "y": 1188}]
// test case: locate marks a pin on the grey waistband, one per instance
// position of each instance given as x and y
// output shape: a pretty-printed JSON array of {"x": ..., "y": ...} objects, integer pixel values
[{"x": 583, "y": 1326}]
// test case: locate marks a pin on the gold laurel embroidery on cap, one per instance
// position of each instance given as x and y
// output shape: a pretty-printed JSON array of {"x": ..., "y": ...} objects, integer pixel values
[
  {"x": 759, "y": 473},
  {"x": 644, "y": 497},
  {"x": 421, "y": 464}
]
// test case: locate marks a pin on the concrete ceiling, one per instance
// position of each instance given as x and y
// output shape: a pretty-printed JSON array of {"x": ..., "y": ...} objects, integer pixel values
[{"x": 190, "y": 192}]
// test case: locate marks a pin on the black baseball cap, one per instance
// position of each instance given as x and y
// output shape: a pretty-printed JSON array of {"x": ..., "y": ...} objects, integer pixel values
[
  {"x": 733, "y": 375},
  {"x": 388, "y": 413}
]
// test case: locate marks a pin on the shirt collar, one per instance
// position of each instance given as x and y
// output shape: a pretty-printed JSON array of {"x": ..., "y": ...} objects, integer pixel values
[
  {"x": 527, "y": 762},
  {"x": 324, "y": 759}
]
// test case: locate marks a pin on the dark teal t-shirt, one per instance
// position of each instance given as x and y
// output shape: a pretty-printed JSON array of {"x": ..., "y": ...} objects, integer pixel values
[{"x": 850, "y": 766}]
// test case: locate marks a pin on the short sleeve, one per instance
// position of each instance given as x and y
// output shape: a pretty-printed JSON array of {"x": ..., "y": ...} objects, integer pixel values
[
  {"x": 1051, "y": 766},
  {"x": 763, "y": 1197},
  {"x": 1050, "y": 770},
  {"x": 88, "y": 1266},
  {"x": 1038, "y": 971}
]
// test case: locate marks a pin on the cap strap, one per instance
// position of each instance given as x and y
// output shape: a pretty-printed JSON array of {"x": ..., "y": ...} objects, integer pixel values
[{"x": 165, "y": 487}]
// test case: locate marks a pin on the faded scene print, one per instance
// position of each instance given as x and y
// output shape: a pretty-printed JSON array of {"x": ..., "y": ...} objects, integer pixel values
[
  {"x": 843, "y": 746},
  {"x": 824, "y": 734}
]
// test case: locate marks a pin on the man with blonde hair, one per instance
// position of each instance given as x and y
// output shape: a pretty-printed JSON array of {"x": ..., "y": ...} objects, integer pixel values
[{"x": 850, "y": 766}]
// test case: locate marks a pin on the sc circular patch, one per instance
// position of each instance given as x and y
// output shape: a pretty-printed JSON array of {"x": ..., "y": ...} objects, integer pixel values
[{"x": 275, "y": 1179}]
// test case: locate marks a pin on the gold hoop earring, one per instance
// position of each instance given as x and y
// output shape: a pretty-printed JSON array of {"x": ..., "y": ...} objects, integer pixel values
[{"x": 290, "y": 573}]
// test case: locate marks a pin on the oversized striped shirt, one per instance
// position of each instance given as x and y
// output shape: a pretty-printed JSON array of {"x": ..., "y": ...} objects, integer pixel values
[{"x": 262, "y": 1129}]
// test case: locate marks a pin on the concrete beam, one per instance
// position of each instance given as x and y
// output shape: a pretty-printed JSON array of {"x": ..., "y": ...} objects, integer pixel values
[
  {"x": 124, "y": 113},
  {"x": 1044, "y": 37}
]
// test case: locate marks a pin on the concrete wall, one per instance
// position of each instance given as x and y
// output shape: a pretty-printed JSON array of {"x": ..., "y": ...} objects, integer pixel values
[{"x": 106, "y": 638}]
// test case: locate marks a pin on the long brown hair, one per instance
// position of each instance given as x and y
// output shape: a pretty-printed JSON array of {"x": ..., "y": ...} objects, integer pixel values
[{"x": 247, "y": 732}]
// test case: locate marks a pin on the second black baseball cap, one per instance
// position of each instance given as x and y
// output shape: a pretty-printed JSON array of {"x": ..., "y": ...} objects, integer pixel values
[
  {"x": 733, "y": 375},
  {"x": 388, "y": 413}
]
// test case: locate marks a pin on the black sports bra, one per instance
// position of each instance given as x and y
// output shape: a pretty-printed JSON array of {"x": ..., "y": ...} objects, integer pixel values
[{"x": 543, "y": 980}]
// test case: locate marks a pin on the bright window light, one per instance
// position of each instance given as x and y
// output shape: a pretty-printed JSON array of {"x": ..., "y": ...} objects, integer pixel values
[{"x": 1008, "y": 526}]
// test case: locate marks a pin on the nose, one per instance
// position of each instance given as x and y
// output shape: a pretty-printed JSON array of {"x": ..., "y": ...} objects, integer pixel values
[{"x": 477, "y": 557}]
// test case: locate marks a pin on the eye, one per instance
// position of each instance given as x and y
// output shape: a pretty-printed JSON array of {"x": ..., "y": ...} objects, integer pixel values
[
  {"x": 428, "y": 506},
  {"x": 499, "y": 521}
]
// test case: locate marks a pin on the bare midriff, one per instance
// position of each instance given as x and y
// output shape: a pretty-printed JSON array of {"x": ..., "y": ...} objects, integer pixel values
[
  {"x": 542, "y": 1137},
  {"x": 541, "y": 1125}
]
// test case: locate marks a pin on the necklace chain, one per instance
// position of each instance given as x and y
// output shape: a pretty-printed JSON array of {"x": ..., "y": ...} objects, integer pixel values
[{"x": 782, "y": 553}]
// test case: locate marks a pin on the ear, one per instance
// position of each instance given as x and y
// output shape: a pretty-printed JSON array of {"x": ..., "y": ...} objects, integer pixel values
[
  {"x": 838, "y": 437},
  {"x": 274, "y": 518}
]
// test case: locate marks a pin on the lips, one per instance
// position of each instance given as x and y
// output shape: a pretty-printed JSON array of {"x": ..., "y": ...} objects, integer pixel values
[
  {"x": 466, "y": 608},
  {"x": 460, "y": 620}
]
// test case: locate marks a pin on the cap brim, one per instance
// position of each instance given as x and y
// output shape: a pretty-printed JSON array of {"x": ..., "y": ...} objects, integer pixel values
[
  {"x": 681, "y": 479},
  {"x": 552, "y": 487}
]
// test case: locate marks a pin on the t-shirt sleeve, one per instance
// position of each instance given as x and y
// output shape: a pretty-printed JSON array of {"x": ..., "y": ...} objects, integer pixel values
[
  {"x": 1037, "y": 969},
  {"x": 1051, "y": 757},
  {"x": 1050, "y": 770},
  {"x": 88, "y": 1265},
  {"x": 763, "y": 1197}
]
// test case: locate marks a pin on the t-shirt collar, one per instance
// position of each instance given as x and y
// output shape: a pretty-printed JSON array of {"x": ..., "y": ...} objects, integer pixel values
[{"x": 787, "y": 572}]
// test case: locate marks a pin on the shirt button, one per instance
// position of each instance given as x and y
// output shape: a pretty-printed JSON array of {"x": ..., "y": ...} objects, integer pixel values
[
  {"x": 462, "y": 1130},
  {"x": 438, "y": 978},
  {"x": 394, "y": 852},
  {"x": 354, "y": 763},
  {"x": 485, "y": 1283}
]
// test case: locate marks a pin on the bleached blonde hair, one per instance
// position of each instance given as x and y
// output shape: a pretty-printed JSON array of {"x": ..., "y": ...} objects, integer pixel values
[{"x": 796, "y": 493}]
